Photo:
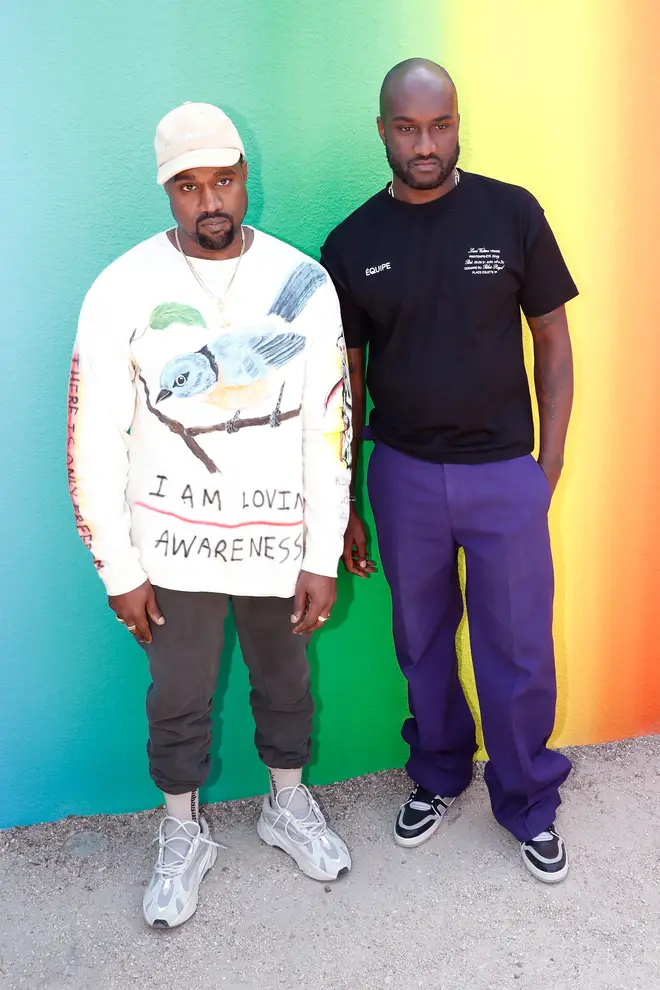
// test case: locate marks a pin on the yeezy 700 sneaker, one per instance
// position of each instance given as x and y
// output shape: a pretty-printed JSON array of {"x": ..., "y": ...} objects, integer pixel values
[
  {"x": 304, "y": 835},
  {"x": 185, "y": 855}
]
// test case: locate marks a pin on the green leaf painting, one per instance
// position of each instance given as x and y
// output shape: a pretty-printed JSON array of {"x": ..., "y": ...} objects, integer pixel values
[{"x": 168, "y": 313}]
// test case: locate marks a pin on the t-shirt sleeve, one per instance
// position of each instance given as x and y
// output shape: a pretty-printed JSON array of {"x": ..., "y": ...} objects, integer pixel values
[
  {"x": 547, "y": 281},
  {"x": 355, "y": 321}
]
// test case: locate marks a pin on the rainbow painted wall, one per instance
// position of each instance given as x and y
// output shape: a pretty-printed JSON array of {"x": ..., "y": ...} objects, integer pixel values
[{"x": 559, "y": 96}]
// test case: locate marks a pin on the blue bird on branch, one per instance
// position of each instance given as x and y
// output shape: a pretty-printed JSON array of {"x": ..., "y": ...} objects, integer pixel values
[{"x": 238, "y": 370}]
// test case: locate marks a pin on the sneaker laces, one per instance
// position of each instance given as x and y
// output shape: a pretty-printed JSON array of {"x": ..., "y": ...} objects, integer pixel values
[
  {"x": 170, "y": 845},
  {"x": 312, "y": 826}
]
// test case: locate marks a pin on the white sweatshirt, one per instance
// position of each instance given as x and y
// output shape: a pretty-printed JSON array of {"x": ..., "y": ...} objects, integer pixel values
[{"x": 207, "y": 457}]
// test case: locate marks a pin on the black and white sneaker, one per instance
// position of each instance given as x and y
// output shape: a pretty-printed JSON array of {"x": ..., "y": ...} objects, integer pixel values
[
  {"x": 545, "y": 856},
  {"x": 420, "y": 817}
]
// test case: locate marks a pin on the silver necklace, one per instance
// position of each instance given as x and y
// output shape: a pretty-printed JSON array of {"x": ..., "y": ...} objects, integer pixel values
[
  {"x": 218, "y": 300},
  {"x": 390, "y": 186}
]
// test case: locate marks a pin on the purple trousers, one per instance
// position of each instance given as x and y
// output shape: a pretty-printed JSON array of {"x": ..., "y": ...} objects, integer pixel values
[{"x": 499, "y": 514}]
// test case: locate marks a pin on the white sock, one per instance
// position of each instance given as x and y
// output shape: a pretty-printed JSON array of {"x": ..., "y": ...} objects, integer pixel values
[
  {"x": 185, "y": 807},
  {"x": 282, "y": 783}
]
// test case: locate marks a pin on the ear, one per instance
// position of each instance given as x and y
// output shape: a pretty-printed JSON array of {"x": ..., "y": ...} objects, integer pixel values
[
  {"x": 244, "y": 170},
  {"x": 381, "y": 128}
]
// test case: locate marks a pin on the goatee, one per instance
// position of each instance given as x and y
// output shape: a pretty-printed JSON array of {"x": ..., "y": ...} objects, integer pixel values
[
  {"x": 215, "y": 242},
  {"x": 405, "y": 172}
]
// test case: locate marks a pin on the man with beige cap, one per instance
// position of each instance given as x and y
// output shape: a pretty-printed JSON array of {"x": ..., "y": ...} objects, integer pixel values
[{"x": 209, "y": 467}]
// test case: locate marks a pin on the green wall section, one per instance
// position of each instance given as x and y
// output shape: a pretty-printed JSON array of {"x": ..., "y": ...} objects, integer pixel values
[{"x": 84, "y": 86}]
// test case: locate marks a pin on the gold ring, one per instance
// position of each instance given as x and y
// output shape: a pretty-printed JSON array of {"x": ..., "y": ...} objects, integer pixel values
[
  {"x": 323, "y": 618},
  {"x": 131, "y": 628},
  {"x": 119, "y": 619}
]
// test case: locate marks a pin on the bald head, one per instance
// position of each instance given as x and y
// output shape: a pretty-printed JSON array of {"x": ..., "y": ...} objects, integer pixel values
[
  {"x": 415, "y": 76},
  {"x": 418, "y": 125}
]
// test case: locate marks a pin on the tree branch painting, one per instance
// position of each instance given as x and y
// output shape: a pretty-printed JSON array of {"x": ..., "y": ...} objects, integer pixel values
[{"x": 233, "y": 425}]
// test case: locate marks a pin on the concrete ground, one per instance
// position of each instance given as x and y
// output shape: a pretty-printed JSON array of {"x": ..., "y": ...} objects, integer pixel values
[{"x": 459, "y": 913}]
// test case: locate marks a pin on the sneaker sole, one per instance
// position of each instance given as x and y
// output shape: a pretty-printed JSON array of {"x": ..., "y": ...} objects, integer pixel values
[
  {"x": 417, "y": 840},
  {"x": 277, "y": 841},
  {"x": 160, "y": 923},
  {"x": 545, "y": 877}
]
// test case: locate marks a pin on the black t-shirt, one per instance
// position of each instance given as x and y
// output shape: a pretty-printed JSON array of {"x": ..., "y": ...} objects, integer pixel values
[{"x": 436, "y": 292}]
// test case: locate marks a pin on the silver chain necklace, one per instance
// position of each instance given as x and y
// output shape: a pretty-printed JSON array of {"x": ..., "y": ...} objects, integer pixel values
[
  {"x": 218, "y": 300},
  {"x": 390, "y": 185}
]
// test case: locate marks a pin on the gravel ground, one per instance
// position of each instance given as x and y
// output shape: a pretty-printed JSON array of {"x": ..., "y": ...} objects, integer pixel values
[{"x": 459, "y": 913}]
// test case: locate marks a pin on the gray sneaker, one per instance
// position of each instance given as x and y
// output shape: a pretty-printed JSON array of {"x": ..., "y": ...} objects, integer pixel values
[
  {"x": 185, "y": 855},
  {"x": 305, "y": 836}
]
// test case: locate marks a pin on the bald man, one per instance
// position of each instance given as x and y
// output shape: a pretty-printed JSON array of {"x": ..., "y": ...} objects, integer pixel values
[{"x": 433, "y": 273}]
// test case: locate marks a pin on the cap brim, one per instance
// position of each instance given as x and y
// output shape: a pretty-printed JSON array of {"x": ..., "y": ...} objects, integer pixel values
[{"x": 203, "y": 158}]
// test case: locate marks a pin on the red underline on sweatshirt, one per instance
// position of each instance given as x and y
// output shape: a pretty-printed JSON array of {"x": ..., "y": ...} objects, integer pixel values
[{"x": 218, "y": 525}]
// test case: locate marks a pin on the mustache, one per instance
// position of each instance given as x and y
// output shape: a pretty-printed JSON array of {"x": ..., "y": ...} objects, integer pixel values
[
  {"x": 428, "y": 158},
  {"x": 214, "y": 215}
]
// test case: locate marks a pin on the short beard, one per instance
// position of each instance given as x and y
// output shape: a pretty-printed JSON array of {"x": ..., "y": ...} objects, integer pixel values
[
  {"x": 404, "y": 172},
  {"x": 220, "y": 241}
]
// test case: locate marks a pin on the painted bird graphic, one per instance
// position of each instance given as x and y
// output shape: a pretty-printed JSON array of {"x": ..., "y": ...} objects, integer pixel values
[
  {"x": 238, "y": 370},
  {"x": 232, "y": 372}
]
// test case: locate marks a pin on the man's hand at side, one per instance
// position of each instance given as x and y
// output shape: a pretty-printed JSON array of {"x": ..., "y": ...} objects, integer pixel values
[
  {"x": 355, "y": 557},
  {"x": 552, "y": 468},
  {"x": 313, "y": 601},
  {"x": 135, "y": 608}
]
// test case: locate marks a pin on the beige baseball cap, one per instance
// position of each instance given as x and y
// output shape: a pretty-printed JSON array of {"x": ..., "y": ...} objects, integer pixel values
[{"x": 195, "y": 135}]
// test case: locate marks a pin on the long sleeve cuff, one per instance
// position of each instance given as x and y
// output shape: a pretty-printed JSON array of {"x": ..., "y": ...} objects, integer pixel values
[
  {"x": 321, "y": 559},
  {"x": 123, "y": 576}
]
